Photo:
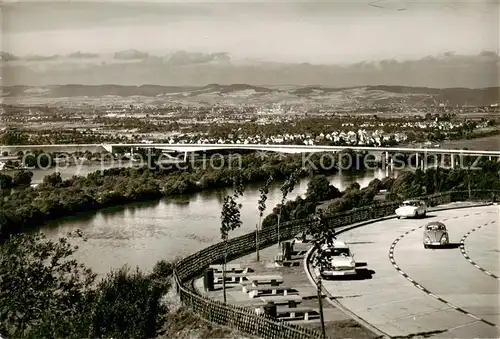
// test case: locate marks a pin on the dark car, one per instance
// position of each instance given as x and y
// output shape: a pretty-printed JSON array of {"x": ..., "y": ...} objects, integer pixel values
[{"x": 436, "y": 234}]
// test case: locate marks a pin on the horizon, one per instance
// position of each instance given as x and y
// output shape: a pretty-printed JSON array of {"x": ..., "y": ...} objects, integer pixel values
[{"x": 267, "y": 86}]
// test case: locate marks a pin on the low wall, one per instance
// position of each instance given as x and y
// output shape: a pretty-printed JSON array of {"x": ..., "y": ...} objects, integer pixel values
[{"x": 245, "y": 319}]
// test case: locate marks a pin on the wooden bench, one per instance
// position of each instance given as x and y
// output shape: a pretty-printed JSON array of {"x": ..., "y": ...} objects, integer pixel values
[
  {"x": 234, "y": 268},
  {"x": 289, "y": 300},
  {"x": 266, "y": 290},
  {"x": 230, "y": 277},
  {"x": 297, "y": 313}
]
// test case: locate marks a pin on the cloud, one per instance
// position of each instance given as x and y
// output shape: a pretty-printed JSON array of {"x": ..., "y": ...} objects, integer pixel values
[
  {"x": 130, "y": 54},
  {"x": 185, "y": 68},
  {"x": 36, "y": 57},
  {"x": 181, "y": 58},
  {"x": 8, "y": 56},
  {"x": 81, "y": 55}
]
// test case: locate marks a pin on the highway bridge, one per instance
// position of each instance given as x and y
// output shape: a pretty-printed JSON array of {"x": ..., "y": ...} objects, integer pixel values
[
  {"x": 385, "y": 154},
  {"x": 450, "y": 292},
  {"x": 256, "y": 147}
]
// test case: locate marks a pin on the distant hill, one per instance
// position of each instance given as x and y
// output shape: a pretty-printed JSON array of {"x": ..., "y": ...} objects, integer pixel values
[{"x": 248, "y": 94}]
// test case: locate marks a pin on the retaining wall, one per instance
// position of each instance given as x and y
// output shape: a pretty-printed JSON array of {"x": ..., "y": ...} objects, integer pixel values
[{"x": 245, "y": 319}]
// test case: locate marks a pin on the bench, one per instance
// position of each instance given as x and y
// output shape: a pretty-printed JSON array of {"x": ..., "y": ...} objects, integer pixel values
[
  {"x": 234, "y": 268},
  {"x": 266, "y": 290},
  {"x": 230, "y": 277},
  {"x": 247, "y": 285},
  {"x": 289, "y": 300},
  {"x": 297, "y": 313}
]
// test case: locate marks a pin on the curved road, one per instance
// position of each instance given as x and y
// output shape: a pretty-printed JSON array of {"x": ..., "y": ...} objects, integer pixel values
[{"x": 409, "y": 290}]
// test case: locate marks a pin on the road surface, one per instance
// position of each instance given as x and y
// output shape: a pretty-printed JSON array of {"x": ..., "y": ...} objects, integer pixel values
[{"x": 408, "y": 290}]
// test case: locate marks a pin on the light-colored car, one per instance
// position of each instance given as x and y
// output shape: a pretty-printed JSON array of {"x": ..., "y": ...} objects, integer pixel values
[
  {"x": 303, "y": 237},
  {"x": 436, "y": 234},
  {"x": 412, "y": 209},
  {"x": 340, "y": 260}
]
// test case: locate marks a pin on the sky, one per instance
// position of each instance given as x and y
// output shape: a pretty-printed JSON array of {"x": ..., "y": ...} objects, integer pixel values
[{"x": 282, "y": 31}]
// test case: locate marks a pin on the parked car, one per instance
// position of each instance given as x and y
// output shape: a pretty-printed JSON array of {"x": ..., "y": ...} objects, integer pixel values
[
  {"x": 340, "y": 260},
  {"x": 412, "y": 209},
  {"x": 436, "y": 234},
  {"x": 303, "y": 237}
]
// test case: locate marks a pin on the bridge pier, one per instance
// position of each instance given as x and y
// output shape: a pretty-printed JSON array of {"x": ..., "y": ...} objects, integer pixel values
[
  {"x": 452, "y": 161},
  {"x": 388, "y": 164}
]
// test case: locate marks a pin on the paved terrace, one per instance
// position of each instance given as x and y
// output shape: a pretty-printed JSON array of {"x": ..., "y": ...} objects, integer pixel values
[{"x": 338, "y": 324}]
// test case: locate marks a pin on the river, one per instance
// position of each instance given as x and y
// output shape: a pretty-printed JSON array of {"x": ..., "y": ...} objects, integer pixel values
[{"x": 143, "y": 233}]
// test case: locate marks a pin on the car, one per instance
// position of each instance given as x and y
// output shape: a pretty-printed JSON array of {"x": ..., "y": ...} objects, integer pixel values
[
  {"x": 435, "y": 234},
  {"x": 303, "y": 237},
  {"x": 340, "y": 260},
  {"x": 411, "y": 209}
]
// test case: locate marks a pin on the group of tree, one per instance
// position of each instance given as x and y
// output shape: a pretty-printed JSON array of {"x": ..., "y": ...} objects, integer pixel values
[
  {"x": 46, "y": 293},
  {"x": 319, "y": 191},
  {"x": 485, "y": 175},
  {"x": 59, "y": 136}
]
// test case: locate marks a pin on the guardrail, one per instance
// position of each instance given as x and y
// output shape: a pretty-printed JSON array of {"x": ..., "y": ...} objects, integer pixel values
[{"x": 244, "y": 319}]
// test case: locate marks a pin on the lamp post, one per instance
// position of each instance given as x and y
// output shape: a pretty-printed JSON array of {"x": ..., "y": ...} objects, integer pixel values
[{"x": 320, "y": 300}]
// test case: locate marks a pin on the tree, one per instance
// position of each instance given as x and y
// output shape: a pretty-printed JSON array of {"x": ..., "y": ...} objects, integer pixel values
[
  {"x": 318, "y": 189},
  {"x": 126, "y": 298},
  {"x": 5, "y": 181},
  {"x": 52, "y": 180},
  {"x": 230, "y": 220},
  {"x": 264, "y": 191},
  {"x": 323, "y": 237},
  {"x": 287, "y": 188},
  {"x": 43, "y": 292}
]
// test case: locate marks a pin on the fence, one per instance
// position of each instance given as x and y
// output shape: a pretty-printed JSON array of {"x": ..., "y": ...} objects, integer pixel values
[{"x": 246, "y": 320}]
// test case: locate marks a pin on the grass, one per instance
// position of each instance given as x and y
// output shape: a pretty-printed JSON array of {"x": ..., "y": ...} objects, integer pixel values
[{"x": 184, "y": 324}]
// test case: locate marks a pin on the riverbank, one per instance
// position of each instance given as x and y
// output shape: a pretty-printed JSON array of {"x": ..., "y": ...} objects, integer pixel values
[{"x": 56, "y": 198}]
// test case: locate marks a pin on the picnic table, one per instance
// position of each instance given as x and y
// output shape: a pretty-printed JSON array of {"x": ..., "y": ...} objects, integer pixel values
[
  {"x": 236, "y": 268},
  {"x": 230, "y": 277},
  {"x": 261, "y": 290}
]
